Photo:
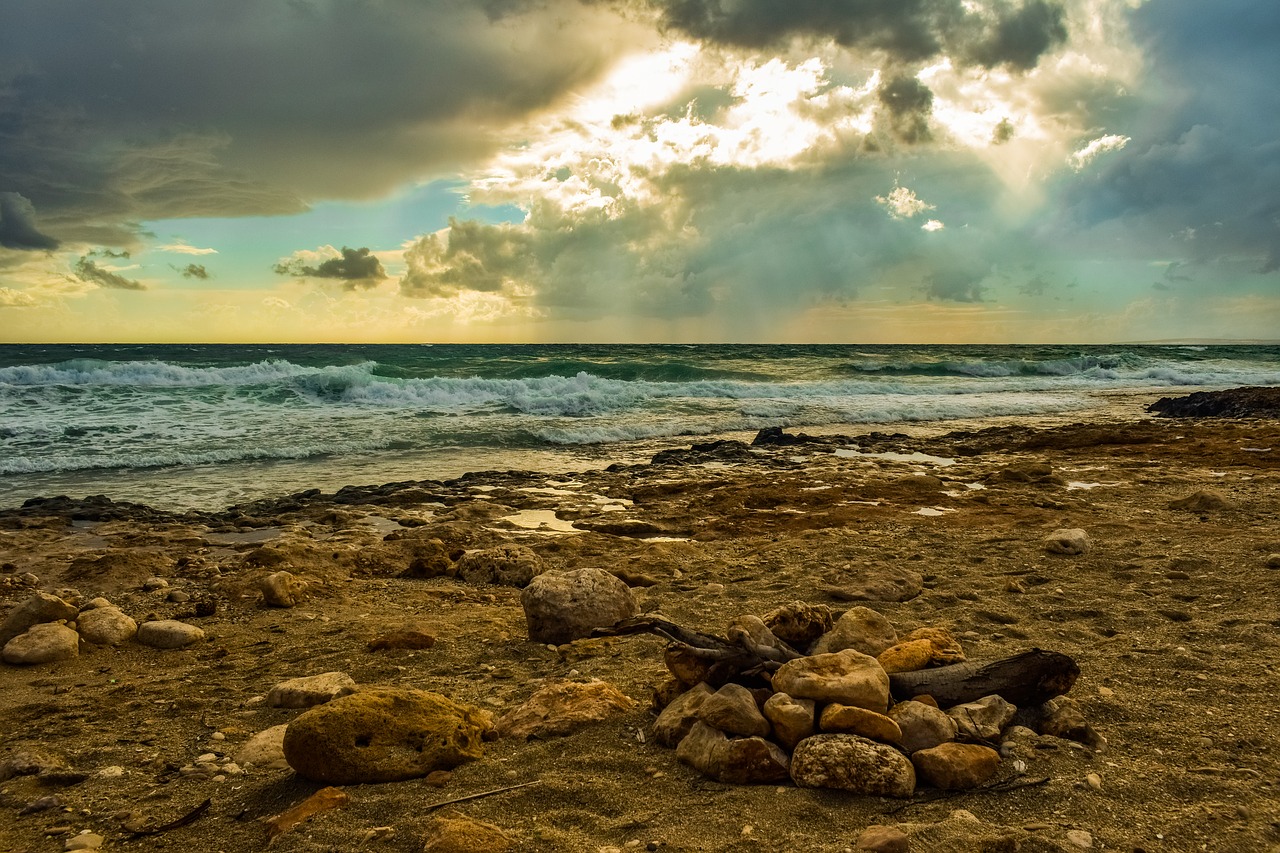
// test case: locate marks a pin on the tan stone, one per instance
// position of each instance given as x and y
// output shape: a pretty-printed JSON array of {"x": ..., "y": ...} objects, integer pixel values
[
  {"x": 848, "y": 677},
  {"x": 281, "y": 589},
  {"x": 1070, "y": 542},
  {"x": 168, "y": 634},
  {"x": 799, "y": 623},
  {"x": 106, "y": 626},
  {"x": 792, "y": 719},
  {"x": 859, "y": 721},
  {"x": 859, "y": 628},
  {"x": 310, "y": 690},
  {"x": 883, "y": 839},
  {"x": 560, "y": 606},
  {"x": 46, "y": 642},
  {"x": 732, "y": 709},
  {"x": 738, "y": 761},
  {"x": 983, "y": 719},
  {"x": 36, "y": 610},
  {"x": 923, "y": 726},
  {"x": 564, "y": 707},
  {"x": 681, "y": 713},
  {"x": 509, "y": 565},
  {"x": 455, "y": 833},
  {"x": 384, "y": 734}
]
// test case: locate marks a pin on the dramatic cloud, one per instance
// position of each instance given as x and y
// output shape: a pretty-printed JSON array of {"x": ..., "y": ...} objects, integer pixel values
[
  {"x": 114, "y": 114},
  {"x": 181, "y": 248},
  {"x": 354, "y": 267},
  {"x": 10, "y": 298},
  {"x": 18, "y": 224},
  {"x": 88, "y": 271}
]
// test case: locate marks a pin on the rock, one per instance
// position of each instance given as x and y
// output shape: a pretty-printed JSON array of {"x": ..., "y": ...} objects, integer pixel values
[
  {"x": 799, "y": 623},
  {"x": 792, "y": 719},
  {"x": 168, "y": 634},
  {"x": 281, "y": 589},
  {"x": 407, "y": 638},
  {"x": 883, "y": 839},
  {"x": 946, "y": 648},
  {"x": 1079, "y": 838},
  {"x": 562, "y": 708},
  {"x": 923, "y": 726},
  {"x": 84, "y": 841},
  {"x": 155, "y": 584},
  {"x": 509, "y": 565},
  {"x": 106, "y": 626},
  {"x": 1070, "y": 541},
  {"x": 732, "y": 709},
  {"x": 265, "y": 749},
  {"x": 883, "y": 583},
  {"x": 561, "y": 606},
  {"x": 907, "y": 656},
  {"x": 849, "y": 720},
  {"x": 750, "y": 632},
  {"x": 310, "y": 690},
  {"x": 852, "y": 763},
  {"x": 956, "y": 766},
  {"x": 384, "y": 734},
  {"x": 859, "y": 628},
  {"x": 1273, "y": 561},
  {"x": 430, "y": 560},
  {"x": 848, "y": 677},
  {"x": 43, "y": 643},
  {"x": 455, "y": 833},
  {"x": 681, "y": 713},
  {"x": 1205, "y": 500},
  {"x": 1063, "y": 717},
  {"x": 743, "y": 761},
  {"x": 39, "y": 608},
  {"x": 984, "y": 719},
  {"x": 26, "y": 763},
  {"x": 1027, "y": 472}
]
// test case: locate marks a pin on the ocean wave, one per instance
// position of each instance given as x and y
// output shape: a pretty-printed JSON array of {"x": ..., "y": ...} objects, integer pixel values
[{"x": 161, "y": 374}]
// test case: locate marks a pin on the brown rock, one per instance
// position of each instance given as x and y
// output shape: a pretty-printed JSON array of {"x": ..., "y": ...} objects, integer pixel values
[
  {"x": 849, "y": 720},
  {"x": 407, "y": 638},
  {"x": 883, "y": 583},
  {"x": 1071, "y": 542},
  {"x": 922, "y": 648},
  {"x": 46, "y": 642},
  {"x": 106, "y": 626},
  {"x": 310, "y": 690},
  {"x": 562, "y": 708},
  {"x": 430, "y": 559},
  {"x": 733, "y": 710},
  {"x": 923, "y": 726},
  {"x": 384, "y": 734},
  {"x": 859, "y": 628},
  {"x": 1205, "y": 500},
  {"x": 848, "y": 677},
  {"x": 38, "y": 609},
  {"x": 509, "y": 565},
  {"x": 281, "y": 589},
  {"x": 956, "y": 766},
  {"x": 742, "y": 761},
  {"x": 852, "y": 763},
  {"x": 984, "y": 719},
  {"x": 792, "y": 719},
  {"x": 561, "y": 606},
  {"x": 678, "y": 717},
  {"x": 168, "y": 634},
  {"x": 799, "y": 623}
]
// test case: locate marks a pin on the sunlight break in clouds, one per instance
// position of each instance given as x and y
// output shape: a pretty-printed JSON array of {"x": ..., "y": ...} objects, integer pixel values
[
  {"x": 1086, "y": 155},
  {"x": 902, "y": 203}
]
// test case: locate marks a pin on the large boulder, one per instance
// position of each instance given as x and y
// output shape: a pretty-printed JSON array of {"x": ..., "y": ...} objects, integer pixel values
[
  {"x": 43, "y": 643},
  {"x": 384, "y": 734},
  {"x": 852, "y": 763},
  {"x": 39, "y": 608},
  {"x": 561, "y": 606},
  {"x": 106, "y": 626},
  {"x": 509, "y": 565}
]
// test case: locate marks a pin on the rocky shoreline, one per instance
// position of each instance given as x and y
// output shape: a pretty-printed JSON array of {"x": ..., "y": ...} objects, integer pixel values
[{"x": 141, "y": 734}]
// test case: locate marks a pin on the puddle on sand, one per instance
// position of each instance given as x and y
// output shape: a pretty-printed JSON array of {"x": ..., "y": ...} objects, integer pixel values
[
  {"x": 542, "y": 521},
  {"x": 940, "y": 461}
]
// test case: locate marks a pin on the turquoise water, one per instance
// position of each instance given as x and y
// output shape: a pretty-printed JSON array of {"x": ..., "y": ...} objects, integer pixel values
[{"x": 206, "y": 426}]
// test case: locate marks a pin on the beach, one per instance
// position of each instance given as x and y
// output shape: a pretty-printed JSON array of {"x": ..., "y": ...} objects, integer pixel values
[{"x": 1170, "y": 614}]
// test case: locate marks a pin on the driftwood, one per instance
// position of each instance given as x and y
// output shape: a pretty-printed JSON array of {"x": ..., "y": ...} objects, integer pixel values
[
  {"x": 1027, "y": 679},
  {"x": 1031, "y": 678}
]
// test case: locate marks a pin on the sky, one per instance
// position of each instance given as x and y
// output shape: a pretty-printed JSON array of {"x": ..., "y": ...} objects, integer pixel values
[{"x": 861, "y": 171}]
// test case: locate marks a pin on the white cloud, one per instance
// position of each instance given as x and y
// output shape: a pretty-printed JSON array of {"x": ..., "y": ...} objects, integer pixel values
[
  {"x": 903, "y": 203},
  {"x": 932, "y": 225},
  {"x": 1084, "y": 156},
  {"x": 180, "y": 247}
]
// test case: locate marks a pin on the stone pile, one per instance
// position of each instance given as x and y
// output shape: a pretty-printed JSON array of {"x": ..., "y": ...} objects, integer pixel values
[{"x": 827, "y": 719}]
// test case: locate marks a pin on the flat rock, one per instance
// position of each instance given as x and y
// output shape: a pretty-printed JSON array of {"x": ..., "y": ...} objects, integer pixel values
[
  {"x": 846, "y": 719},
  {"x": 509, "y": 565},
  {"x": 859, "y": 628},
  {"x": 733, "y": 710},
  {"x": 792, "y": 719},
  {"x": 168, "y": 634},
  {"x": 923, "y": 726},
  {"x": 106, "y": 626},
  {"x": 310, "y": 690},
  {"x": 384, "y": 734},
  {"x": 43, "y": 643},
  {"x": 563, "y": 708},
  {"x": 681, "y": 713},
  {"x": 852, "y": 763},
  {"x": 39, "y": 608},
  {"x": 883, "y": 583},
  {"x": 561, "y": 606},
  {"x": 956, "y": 766},
  {"x": 405, "y": 638},
  {"x": 1205, "y": 500},
  {"x": 848, "y": 677},
  {"x": 882, "y": 839},
  {"x": 456, "y": 833},
  {"x": 737, "y": 761},
  {"x": 1069, "y": 541}
]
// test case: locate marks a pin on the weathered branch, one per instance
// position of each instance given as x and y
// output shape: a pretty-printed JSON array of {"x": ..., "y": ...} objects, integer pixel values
[{"x": 1030, "y": 678}]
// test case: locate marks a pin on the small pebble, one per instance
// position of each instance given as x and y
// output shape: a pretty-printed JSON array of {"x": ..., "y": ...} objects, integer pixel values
[
  {"x": 1080, "y": 838},
  {"x": 1094, "y": 780},
  {"x": 1106, "y": 692}
]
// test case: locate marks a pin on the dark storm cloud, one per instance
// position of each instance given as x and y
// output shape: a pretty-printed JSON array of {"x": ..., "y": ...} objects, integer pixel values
[
  {"x": 356, "y": 267},
  {"x": 111, "y": 114},
  {"x": 192, "y": 271},
  {"x": 908, "y": 31},
  {"x": 18, "y": 225},
  {"x": 909, "y": 104},
  {"x": 87, "y": 270},
  {"x": 1199, "y": 178},
  {"x": 957, "y": 283}
]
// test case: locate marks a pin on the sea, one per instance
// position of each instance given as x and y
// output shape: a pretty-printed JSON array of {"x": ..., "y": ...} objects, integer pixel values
[{"x": 209, "y": 426}]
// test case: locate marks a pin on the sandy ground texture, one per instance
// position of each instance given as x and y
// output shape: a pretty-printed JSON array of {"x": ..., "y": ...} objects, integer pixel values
[{"x": 1173, "y": 617}]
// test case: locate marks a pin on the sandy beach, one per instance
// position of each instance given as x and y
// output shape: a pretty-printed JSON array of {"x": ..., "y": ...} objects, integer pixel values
[{"x": 1171, "y": 615}]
